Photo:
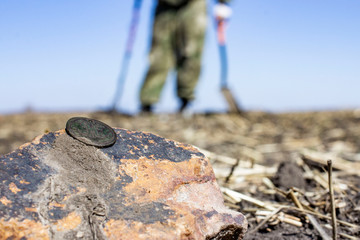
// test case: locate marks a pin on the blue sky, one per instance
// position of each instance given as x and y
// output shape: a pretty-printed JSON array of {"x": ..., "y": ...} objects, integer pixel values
[{"x": 296, "y": 55}]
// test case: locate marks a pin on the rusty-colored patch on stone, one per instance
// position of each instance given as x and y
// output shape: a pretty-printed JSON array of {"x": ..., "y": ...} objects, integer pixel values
[
  {"x": 24, "y": 182},
  {"x": 81, "y": 189},
  {"x": 117, "y": 229},
  {"x": 14, "y": 188},
  {"x": 36, "y": 140},
  {"x": 28, "y": 209},
  {"x": 28, "y": 229},
  {"x": 70, "y": 222},
  {"x": 5, "y": 201},
  {"x": 142, "y": 187},
  {"x": 158, "y": 179},
  {"x": 55, "y": 204}
]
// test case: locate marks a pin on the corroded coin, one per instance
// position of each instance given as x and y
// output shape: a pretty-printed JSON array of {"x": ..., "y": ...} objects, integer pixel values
[{"x": 91, "y": 131}]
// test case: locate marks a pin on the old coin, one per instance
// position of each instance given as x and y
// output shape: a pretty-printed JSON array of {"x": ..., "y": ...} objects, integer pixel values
[{"x": 91, "y": 131}]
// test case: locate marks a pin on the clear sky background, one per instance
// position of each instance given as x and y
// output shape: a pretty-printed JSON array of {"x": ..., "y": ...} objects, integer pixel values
[{"x": 284, "y": 55}]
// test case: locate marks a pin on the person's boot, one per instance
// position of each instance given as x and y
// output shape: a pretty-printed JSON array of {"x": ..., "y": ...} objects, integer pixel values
[
  {"x": 184, "y": 104},
  {"x": 146, "y": 109}
]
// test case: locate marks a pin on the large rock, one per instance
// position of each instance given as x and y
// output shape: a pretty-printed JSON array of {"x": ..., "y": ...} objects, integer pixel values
[{"x": 142, "y": 187}]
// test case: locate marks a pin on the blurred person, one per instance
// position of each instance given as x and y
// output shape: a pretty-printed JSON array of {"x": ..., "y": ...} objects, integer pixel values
[{"x": 177, "y": 43}]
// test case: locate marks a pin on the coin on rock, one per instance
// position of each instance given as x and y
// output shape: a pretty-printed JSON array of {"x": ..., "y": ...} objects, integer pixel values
[{"x": 91, "y": 132}]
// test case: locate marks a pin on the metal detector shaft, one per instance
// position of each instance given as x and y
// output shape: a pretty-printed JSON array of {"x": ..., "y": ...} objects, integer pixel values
[
  {"x": 128, "y": 52},
  {"x": 233, "y": 106},
  {"x": 224, "y": 65}
]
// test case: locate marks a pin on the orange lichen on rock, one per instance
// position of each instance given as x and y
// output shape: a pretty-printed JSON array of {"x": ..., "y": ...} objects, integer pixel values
[
  {"x": 157, "y": 179},
  {"x": 81, "y": 189},
  {"x": 14, "y": 188},
  {"x": 5, "y": 201},
  {"x": 35, "y": 141},
  {"x": 70, "y": 222},
  {"x": 24, "y": 182},
  {"x": 30, "y": 209},
  {"x": 121, "y": 230},
  {"x": 55, "y": 204},
  {"x": 186, "y": 146},
  {"x": 16, "y": 230}
]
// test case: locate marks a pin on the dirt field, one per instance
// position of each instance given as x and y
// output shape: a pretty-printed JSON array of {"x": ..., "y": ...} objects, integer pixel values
[{"x": 268, "y": 157}]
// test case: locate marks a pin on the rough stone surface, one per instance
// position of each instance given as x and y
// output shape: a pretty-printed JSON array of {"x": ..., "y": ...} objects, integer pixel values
[{"x": 142, "y": 187}]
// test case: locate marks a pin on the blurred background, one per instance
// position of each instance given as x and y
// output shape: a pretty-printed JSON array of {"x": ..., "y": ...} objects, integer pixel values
[
  {"x": 298, "y": 59},
  {"x": 283, "y": 56}
]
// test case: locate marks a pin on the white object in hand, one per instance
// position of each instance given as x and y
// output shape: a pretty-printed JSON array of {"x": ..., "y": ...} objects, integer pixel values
[{"x": 222, "y": 10}]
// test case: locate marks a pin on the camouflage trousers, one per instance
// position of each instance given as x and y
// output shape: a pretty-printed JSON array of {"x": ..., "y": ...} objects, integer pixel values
[{"x": 177, "y": 43}]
